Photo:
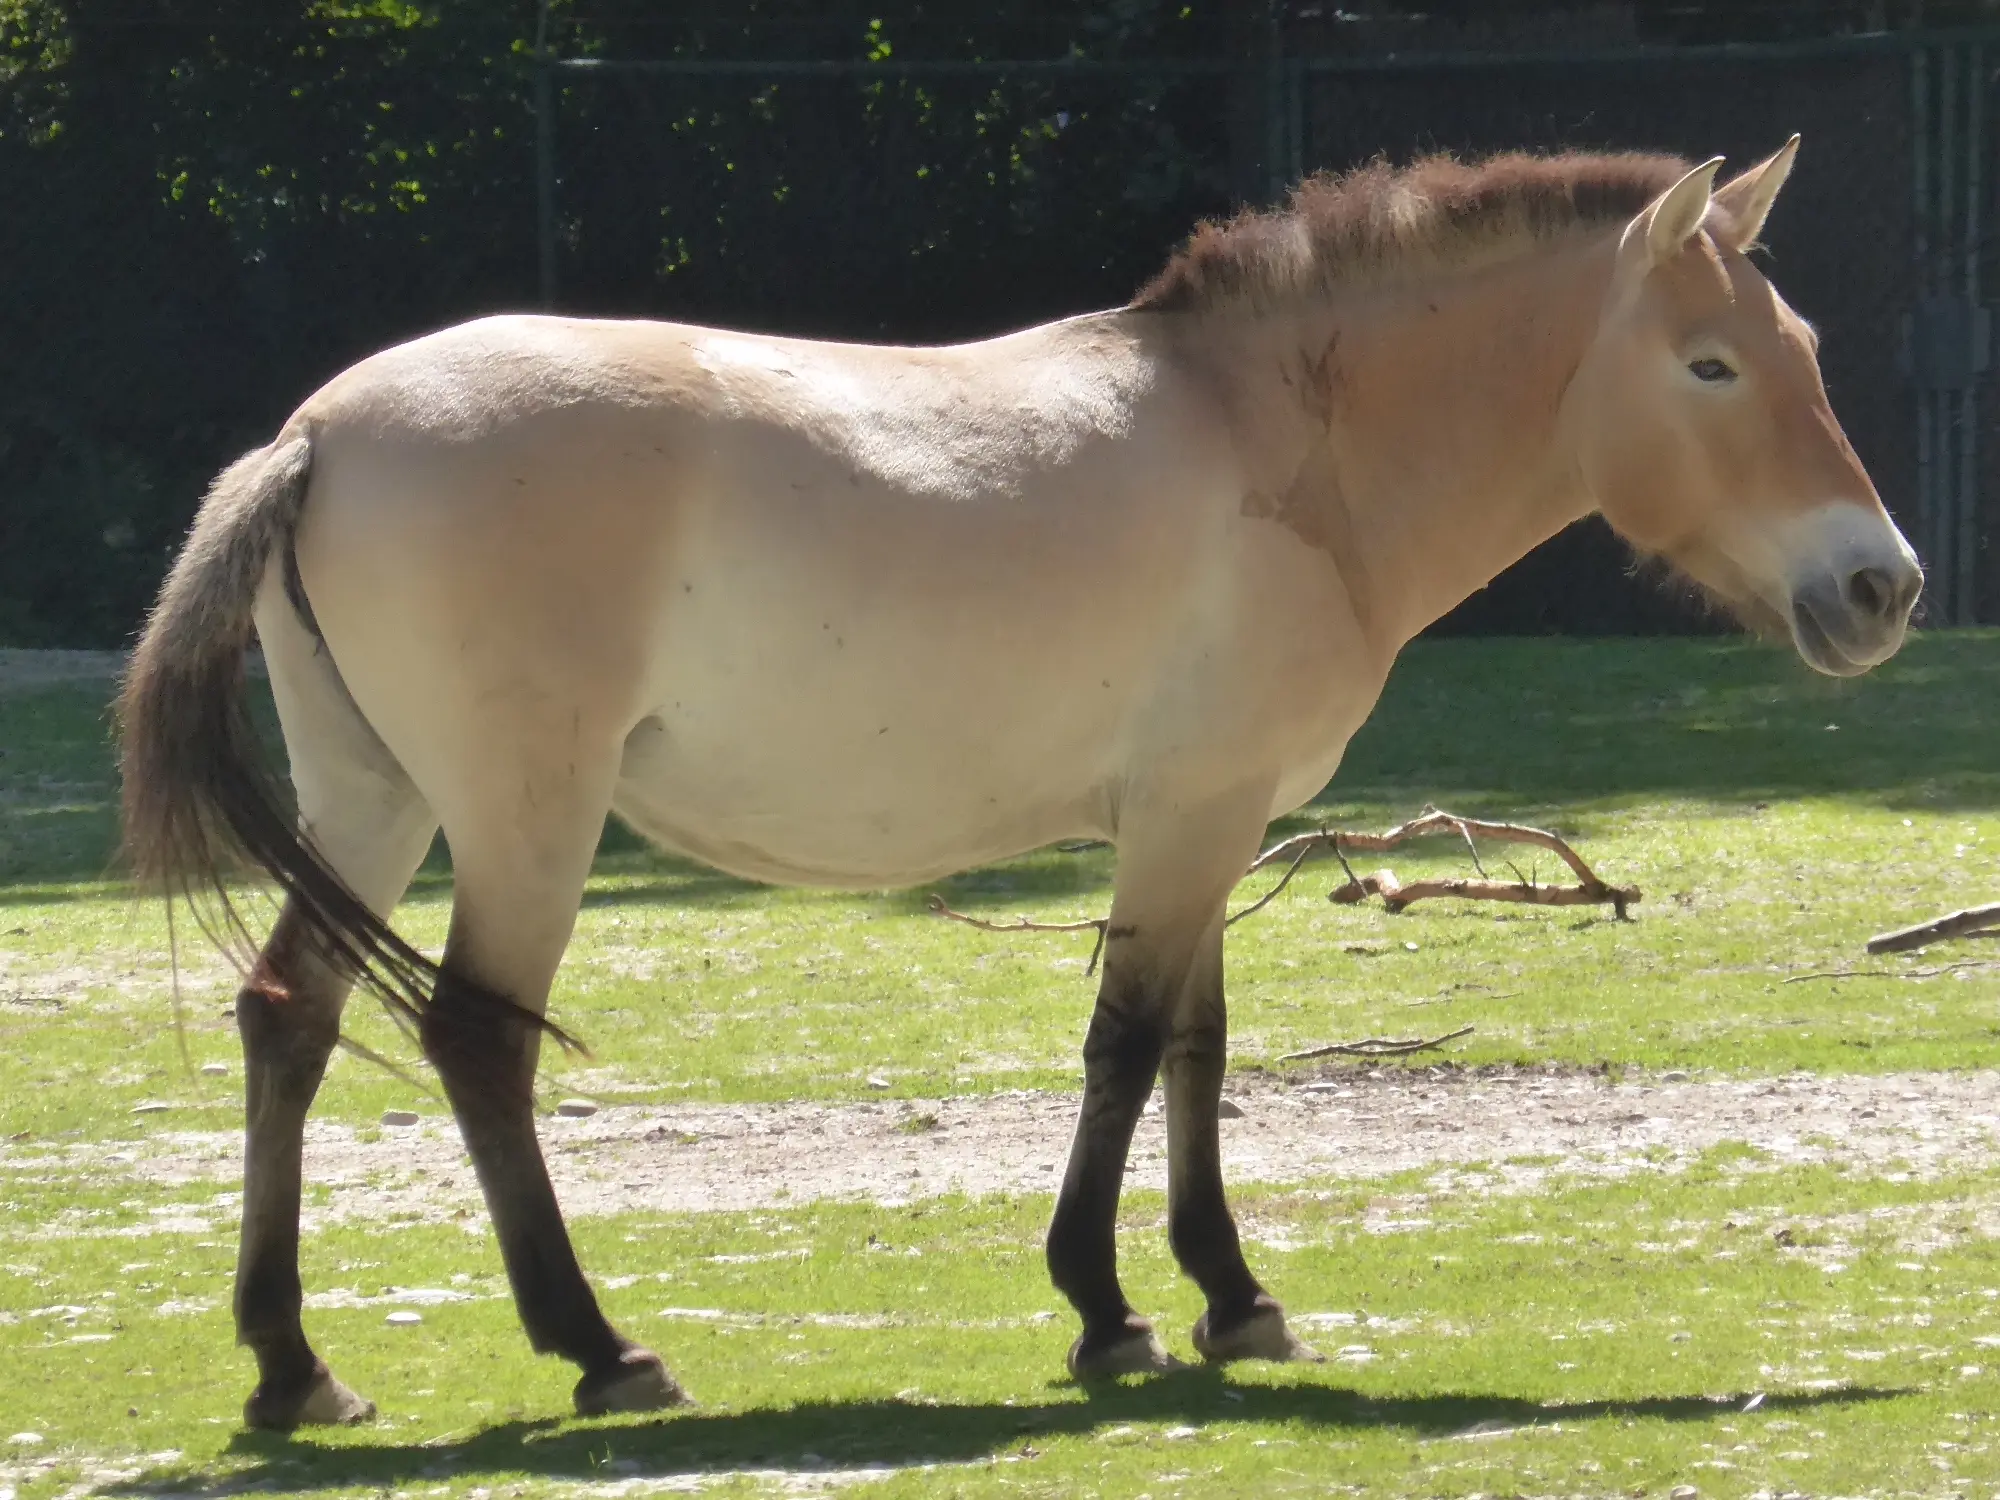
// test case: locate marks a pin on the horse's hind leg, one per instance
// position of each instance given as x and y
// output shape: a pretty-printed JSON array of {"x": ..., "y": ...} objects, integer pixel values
[
  {"x": 372, "y": 827},
  {"x": 519, "y": 863},
  {"x": 289, "y": 1018}
]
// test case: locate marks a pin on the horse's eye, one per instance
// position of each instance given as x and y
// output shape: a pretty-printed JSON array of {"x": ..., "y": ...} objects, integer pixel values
[{"x": 1712, "y": 371}]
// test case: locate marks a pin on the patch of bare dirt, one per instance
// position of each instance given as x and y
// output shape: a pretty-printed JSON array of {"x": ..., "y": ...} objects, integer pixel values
[
  {"x": 630, "y": 1158},
  {"x": 37, "y": 987}
]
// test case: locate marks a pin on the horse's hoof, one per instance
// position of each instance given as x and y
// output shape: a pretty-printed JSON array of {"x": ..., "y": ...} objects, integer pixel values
[
  {"x": 637, "y": 1382},
  {"x": 1129, "y": 1349},
  {"x": 1262, "y": 1335},
  {"x": 321, "y": 1402}
]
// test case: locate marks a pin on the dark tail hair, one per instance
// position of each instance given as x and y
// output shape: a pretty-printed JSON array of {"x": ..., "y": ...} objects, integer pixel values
[{"x": 199, "y": 795}]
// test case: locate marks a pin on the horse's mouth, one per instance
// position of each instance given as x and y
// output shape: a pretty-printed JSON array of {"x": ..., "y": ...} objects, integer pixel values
[{"x": 1818, "y": 648}]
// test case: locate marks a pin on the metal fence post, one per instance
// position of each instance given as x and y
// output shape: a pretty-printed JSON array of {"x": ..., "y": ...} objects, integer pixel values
[
  {"x": 1277, "y": 178},
  {"x": 545, "y": 159},
  {"x": 1920, "y": 167},
  {"x": 1949, "y": 328},
  {"x": 1969, "y": 516}
]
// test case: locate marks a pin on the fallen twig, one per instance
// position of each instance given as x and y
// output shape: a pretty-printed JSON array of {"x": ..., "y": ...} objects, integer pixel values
[
  {"x": 1100, "y": 925},
  {"x": 1954, "y": 924},
  {"x": 1588, "y": 891},
  {"x": 1396, "y": 895},
  {"x": 1450, "y": 993},
  {"x": 1930, "y": 973},
  {"x": 1296, "y": 851},
  {"x": 1377, "y": 1046},
  {"x": 1272, "y": 894}
]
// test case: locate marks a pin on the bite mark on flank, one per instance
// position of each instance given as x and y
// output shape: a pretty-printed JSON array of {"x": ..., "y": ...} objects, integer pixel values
[
  {"x": 1297, "y": 510},
  {"x": 1323, "y": 383}
]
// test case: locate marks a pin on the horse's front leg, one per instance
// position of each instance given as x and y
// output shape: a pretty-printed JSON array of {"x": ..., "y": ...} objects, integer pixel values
[
  {"x": 1121, "y": 1058},
  {"x": 1242, "y": 1320},
  {"x": 1176, "y": 866}
]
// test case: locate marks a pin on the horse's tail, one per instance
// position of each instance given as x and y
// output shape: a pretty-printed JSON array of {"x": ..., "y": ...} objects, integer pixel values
[{"x": 200, "y": 797}]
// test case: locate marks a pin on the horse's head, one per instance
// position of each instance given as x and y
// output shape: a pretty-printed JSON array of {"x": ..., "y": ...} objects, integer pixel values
[{"x": 1705, "y": 437}]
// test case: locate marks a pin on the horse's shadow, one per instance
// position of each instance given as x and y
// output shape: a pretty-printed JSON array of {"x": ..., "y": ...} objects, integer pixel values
[{"x": 895, "y": 1434}]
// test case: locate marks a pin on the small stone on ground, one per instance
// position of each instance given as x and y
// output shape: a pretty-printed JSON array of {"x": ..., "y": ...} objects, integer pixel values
[
  {"x": 399, "y": 1117},
  {"x": 576, "y": 1109}
]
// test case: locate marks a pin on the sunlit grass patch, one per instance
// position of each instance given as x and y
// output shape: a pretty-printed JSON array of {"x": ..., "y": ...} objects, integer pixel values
[
  {"x": 1769, "y": 846},
  {"x": 1547, "y": 1342}
]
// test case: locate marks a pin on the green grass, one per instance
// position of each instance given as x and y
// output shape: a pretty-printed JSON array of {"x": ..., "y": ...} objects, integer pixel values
[
  {"x": 1601, "y": 1337},
  {"x": 1768, "y": 845},
  {"x": 1589, "y": 1337}
]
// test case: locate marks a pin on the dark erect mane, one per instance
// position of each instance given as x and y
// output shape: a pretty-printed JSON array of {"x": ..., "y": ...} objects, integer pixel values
[{"x": 1379, "y": 222}]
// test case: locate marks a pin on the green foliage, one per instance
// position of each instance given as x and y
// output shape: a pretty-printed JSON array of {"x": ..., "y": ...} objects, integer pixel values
[
  {"x": 215, "y": 206},
  {"x": 232, "y": 200},
  {"x": 210, "y": 188}
]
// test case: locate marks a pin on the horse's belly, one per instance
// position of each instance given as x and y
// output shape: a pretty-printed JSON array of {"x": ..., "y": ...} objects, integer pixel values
[{"x": 804, "y": 809}]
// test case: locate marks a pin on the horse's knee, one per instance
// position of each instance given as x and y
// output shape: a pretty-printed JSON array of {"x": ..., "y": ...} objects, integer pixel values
[
  {"x": 483, "y": 1046},
  {"x": 1124, "y": 1043}
]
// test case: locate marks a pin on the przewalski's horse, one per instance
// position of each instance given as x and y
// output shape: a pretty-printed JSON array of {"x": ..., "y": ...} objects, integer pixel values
[{"x": 860, "y": 617}]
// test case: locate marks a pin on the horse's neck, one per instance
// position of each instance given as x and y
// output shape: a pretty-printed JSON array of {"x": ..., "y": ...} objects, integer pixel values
[{"x": 1425, "y": 424}]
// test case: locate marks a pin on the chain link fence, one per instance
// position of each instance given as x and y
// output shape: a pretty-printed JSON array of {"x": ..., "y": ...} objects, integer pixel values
[
  {"x": 1839, "y": 242},
  {"x": 213, "y": 240}
]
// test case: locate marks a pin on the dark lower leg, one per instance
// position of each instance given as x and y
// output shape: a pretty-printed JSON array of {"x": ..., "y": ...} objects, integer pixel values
[
  {"x": 1121, "y": 1056},
  {"x": 485, "y": 1056},
  {"x": 1200, "y": 1227},
  {"x": 1241, "y": 1320},
  {"x": 289, "y": 1018}
]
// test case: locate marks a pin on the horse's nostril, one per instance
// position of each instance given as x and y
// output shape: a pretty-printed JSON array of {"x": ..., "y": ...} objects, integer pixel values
[
  {"x": 1912, "y": 585},
  {"x": 1872, "y": 592}
]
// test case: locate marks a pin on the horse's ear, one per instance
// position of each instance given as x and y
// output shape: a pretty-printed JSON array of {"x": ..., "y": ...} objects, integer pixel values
[
  {"x": 1745, "y": 201},
  {"x": 1674, "y": 218}
]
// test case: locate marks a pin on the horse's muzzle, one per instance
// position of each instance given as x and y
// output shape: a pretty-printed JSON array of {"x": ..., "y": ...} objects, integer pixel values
[{"x": 1854, "y": 617}]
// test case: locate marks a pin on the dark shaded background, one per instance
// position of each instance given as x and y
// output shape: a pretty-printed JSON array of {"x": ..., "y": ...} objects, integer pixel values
[{"x": 208, "y": 208}]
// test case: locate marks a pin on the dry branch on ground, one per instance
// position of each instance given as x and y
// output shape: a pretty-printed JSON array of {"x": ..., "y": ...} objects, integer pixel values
[
  {"x": 1974, "y": 921},
  {"x": 1932, "y": 972},
  {"x": 1377, "y": 1046},
  {"x": 1099, "y": 925},
  {"x": 1589, "y": 889},
  {"x": 1295, "y": 852}
]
